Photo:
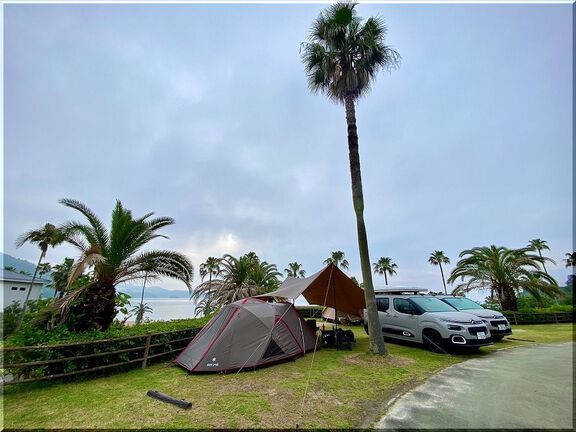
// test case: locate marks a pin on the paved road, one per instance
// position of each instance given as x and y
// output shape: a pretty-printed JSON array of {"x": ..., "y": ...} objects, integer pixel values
[{"x": 528, "y": 387}]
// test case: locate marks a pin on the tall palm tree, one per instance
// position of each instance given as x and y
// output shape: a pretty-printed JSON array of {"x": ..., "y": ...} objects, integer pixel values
[
  {"x": 44, "y": 237},
  {"x": 570, "y": 259},
  {"x": 385, "y": 266},
  {"x": 116, "y": 257},
  {"x": 239, "y": 278},
  {"x": 539, "y": 245},
  {"x": 341, "y": 60},
  {"x": 210, "y": 268},
  {"x": 438, "y": 258},
  {"x": 338, "y": 259},
  {"x": 505, "y": 271},
  {"x": 295, "y": 270}
]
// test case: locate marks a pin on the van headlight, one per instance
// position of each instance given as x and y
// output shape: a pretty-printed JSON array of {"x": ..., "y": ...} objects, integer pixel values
[{"x": 455, "y": 327}]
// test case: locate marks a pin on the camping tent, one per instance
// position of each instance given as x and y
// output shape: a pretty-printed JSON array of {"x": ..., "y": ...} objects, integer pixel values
[
  {"x": 330, "y": 287},
  {"x": 247, "y": 334}
]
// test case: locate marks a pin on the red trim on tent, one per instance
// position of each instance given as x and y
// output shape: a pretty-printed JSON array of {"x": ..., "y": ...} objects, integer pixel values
[
  {"x": 292, "y": 334},
  {"x": 204, "y": 330},
  {"x": 215, "y": 339}
]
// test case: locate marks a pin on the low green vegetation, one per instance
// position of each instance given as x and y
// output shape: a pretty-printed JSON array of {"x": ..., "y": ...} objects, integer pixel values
[
  {"x": 37, "y": 336},
  {"x": 346, "y": 389}
]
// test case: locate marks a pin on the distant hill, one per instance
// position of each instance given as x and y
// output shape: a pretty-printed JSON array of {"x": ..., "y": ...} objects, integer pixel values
[
  {"x": 152, "y": 292},
  {"x": 17, "y": 263},
  {"x": 134, "y": 291}
]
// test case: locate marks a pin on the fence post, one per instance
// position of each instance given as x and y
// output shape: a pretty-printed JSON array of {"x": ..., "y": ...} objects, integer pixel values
[
  {"x": 146, "y": 350},
  {"x": 514, "y": 316},
  {"x": 556, "y": 317}
]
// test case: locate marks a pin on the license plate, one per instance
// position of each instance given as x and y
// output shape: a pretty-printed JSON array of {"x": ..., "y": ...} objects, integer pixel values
[
  {"x": 501, "y": 326},
  {"x": 481, "y": 335}
]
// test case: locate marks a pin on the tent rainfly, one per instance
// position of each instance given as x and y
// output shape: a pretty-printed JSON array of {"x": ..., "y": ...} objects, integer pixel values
[
  {"x": 247, "y": 334},
  {"x": 330, "y": 287}
]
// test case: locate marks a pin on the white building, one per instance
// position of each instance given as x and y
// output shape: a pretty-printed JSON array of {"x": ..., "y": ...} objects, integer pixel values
[{"x": 15, "y": 286}]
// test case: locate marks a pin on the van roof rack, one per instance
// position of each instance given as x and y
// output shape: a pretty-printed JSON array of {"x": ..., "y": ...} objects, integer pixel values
[{"x": 401, "y": 290}]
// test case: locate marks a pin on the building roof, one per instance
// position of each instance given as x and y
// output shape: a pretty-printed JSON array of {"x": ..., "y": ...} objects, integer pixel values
[{"x": 10, "y": 276}]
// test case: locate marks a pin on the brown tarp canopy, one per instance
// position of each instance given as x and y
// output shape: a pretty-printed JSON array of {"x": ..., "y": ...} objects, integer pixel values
[{"x": 329, "y": 287}]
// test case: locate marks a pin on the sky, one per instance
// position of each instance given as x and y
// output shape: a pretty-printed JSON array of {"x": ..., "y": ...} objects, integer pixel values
[{"x": 202, "y": 113}]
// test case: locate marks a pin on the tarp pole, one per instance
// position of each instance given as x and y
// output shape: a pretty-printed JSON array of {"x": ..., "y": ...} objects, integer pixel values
[{"x": 335, "y": 307}]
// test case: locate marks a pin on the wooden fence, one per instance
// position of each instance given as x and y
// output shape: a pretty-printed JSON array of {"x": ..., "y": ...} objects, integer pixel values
[
  {"x": 539, "y": 317},
  {"x": 47, "y": 362}
]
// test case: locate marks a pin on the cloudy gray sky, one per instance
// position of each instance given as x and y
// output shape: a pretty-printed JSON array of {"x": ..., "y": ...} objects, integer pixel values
[{"x": 202, "y": 113}]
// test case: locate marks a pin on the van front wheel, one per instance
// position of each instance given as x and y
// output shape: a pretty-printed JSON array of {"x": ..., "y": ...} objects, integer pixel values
[{"x": 433, "y": 341}]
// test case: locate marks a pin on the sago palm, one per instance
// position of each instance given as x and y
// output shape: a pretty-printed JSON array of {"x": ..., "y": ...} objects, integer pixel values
[
  {"x": 505, "y": 271},
  {"x": 385, "y": 266},
  {"x": 295, "y": 270},
  {"x": 438, "y": 258},
  {"x": 338, "y": 258},
  {"x": 116, "y": 257},
  {"x": 341, "y": 60},
  {"x": 44, "y": 237}
]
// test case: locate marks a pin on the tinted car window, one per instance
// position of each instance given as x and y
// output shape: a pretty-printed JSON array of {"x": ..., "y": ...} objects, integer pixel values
[
  {"x": 403, "y": 306},
  {"x": 432, "y": 304},
  {"x": 462, "y": 303},
  {"x": 382, "y": 304}
]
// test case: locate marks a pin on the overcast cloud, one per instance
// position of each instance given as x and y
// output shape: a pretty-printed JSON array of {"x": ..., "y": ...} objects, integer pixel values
[{"x": 202, "y": 113}]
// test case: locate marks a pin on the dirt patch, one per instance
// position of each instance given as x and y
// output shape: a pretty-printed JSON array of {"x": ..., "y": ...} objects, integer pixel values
[{"x": 390, "y": 360}]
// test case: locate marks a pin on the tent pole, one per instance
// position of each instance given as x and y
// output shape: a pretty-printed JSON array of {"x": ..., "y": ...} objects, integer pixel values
[{"x": 335, "y": 310}]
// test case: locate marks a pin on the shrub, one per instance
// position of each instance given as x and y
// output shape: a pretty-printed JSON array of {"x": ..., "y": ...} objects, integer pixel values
[{"x": 12, "y": 314}]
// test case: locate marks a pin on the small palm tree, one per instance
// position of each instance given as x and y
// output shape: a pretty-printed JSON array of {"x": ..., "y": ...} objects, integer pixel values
[
  {"x": 44, "y": 237},
  {"x": 341, "y": 60},
  {"x": 204, "y": 307},
  {"x": 540, "y": 245},
  {"x": 338, "y": 259},
  {"x": 295, "y": 270},
  {"x": 139, "y": 311},
  {"x": 570, "y": 259},
  {"x": 116, "y": 257},
  {"x": 385, "y": 266},
  {"x": 438, "y": 258}
]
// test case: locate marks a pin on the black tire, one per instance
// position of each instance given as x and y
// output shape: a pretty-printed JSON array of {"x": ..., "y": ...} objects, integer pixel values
[
  {"x": 433, "y": 341},
  {"x": 497, "y": 338}
]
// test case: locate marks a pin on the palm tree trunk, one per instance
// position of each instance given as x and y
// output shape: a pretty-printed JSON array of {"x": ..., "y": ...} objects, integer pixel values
[
  {"x": 141, "y": 313},
  {"x": 377, "y": 345},
  {"x": 97, "y": 309},
  {"x": 385, "y": 278},
  {"x": 443, "y": 280},
  {"x": 31, "y": 285},
  {"x": 543, "y": 263}
]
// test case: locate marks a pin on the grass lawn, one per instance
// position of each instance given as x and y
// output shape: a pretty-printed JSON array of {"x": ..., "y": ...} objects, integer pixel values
[{"x": 346, "y": 389}]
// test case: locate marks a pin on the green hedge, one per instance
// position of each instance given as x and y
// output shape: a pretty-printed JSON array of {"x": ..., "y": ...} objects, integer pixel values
[
  {"x": 111, "y": 341},
  {"x": 28, "y": 335}
]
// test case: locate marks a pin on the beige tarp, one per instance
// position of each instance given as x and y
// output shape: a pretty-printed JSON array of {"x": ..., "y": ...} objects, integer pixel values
[{"x": 329, "y": 287}]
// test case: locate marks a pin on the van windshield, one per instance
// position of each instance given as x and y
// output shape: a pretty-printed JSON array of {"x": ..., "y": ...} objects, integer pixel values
[
  {"x": 462, "y": 303},
  {"x": 432, "y": 304}
]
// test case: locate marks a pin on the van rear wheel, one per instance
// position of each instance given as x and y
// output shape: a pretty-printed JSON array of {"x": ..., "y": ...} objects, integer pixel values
[{"x": 433, "y": 341}]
